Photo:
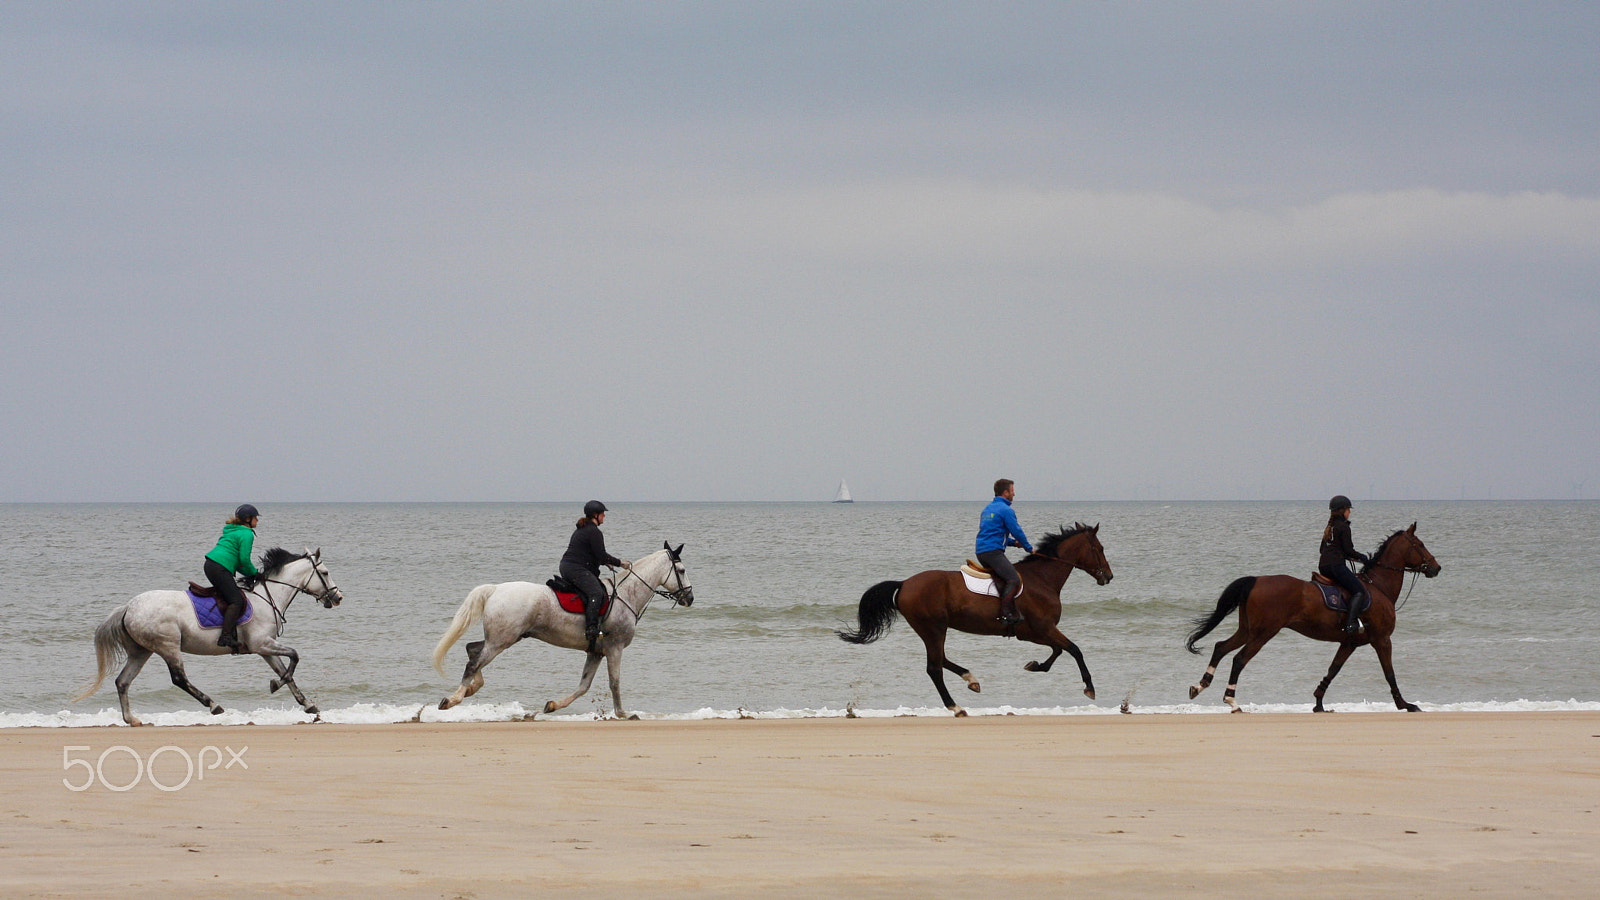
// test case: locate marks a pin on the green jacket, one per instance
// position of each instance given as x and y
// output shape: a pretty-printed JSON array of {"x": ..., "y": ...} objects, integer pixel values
[{"x": 233, "y": 549}]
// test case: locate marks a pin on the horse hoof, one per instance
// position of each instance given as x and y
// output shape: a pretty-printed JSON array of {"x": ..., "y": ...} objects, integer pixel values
[
  {"x": 633, "y": 717},
  {"x": 216, "y": 710},
  {"x": 549, "y": 706},
  {"x": 975, "y": 687},
  {"x": 134, "y": 723},
  {"x": 1194, "y": 691},
  {"x": 1032, "y": 667},
  {"x": 1412, "y": 707},
  {"x": 1238, "y": 709},
  {"x": 313, "y": 710},
  {"x": 1089, "y": 692},
  {"x": 272, "y": 687},
  {"x": 1318, "y": 709},
  {"x": 960, "y": 713}
]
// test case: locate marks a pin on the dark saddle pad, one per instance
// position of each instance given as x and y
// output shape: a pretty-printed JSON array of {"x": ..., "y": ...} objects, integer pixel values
[
  {"x": 209, "y": 611},
  {"x": 1337, "y": 598},
  {"x": 567, "y": 595}
]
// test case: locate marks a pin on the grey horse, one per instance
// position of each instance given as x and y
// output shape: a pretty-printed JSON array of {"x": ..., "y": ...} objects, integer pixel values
[
  {"x": 518, "y": 609},
  {"x": 164, "y": 623}
]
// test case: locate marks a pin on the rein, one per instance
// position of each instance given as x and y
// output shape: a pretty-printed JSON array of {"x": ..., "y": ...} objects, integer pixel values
[
  {"x": 638, "y": 614},
  {"x": 282, "y": 615}
]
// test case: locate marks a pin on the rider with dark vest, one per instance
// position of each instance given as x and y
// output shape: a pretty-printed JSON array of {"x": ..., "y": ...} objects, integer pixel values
[
  {"x": 1337, "y": 548},
  {"x": 586, "y": 553},
  {"x": 231, "y": 556},
  {"x": 997, "y": 530}
]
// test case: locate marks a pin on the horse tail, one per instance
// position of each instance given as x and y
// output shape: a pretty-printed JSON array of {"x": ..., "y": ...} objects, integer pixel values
[
  {"x": 471, "y": 611},
  {"x": 1232, "y": 596},
  {"x": 876, "y": 614},
  {"x": 111, "y": 643}
]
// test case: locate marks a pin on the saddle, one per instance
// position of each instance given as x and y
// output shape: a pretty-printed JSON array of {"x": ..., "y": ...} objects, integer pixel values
[
  {"x": 1335, "y": 597},
  {"x": 974, "y": 569},
  {"x": 570, "y": 599},
  {"x": 209, "y": 611}
]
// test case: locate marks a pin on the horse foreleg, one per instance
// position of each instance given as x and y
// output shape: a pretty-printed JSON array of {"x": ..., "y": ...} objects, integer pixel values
[
  {"x": 1223, "y": 648},
  {"x": 614, "y": 670},
  {"x": 137, "y": 657},
  {"x": 1383, "y": 647},
  {"x": 965, "y": 675},
  {"x": 936, "y": 664},
  {"x": 181, "y": 680},
  {"x": 590, "y": 666},
  {"x": 1058, "y": 642},
  {"x": 274, "y": 654},
  {"x": 1037, "y": 666},
  {"x": 1333, "y": 669}
]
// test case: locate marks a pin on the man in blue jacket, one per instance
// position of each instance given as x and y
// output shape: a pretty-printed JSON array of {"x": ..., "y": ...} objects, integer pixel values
[{"x": 997, "y": 530}]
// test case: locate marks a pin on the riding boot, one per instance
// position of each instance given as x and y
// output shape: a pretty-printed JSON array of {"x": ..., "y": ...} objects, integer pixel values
[
  {"x": 230, "y": 626},
  {"x": 591, "y": 621},
  {"x": 1008, "y": 607},
  {"x": 1352, "y": 623}
]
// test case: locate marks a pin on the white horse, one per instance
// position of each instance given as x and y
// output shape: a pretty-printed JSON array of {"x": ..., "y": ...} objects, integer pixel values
[
  {"x": 518, "y": 609},
  {"x": 164, "y": 623}
]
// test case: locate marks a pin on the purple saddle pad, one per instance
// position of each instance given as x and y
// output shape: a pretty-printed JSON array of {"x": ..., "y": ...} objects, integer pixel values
[
  {"x": 1337, "y": 600},
  {"x": 210, "y": 614}
]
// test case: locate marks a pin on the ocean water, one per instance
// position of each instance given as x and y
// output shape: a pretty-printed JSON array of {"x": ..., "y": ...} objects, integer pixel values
[{"x": 1512, "y": 622}]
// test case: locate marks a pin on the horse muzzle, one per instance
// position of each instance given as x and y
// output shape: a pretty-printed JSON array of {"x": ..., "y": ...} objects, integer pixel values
[
  {"x": 1102, "y": 577},
  {"x": 686, "y": 598},
  {"x": 1432, "y": 571},
  {"x": 331, "y": 599}
]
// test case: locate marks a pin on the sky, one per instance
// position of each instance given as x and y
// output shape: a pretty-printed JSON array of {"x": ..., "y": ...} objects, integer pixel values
[{"x": 727, "y": 251}]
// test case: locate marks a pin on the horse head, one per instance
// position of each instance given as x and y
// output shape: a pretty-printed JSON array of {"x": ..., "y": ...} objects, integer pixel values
[
  {"x": 1405, "y": 551},
  {"x": 683, "y": 594},
  {"x": 1079, "y": 546},
  {"x": 319, "y": 583}
]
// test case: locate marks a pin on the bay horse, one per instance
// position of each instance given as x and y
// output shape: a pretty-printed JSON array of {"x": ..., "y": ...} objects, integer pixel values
[
  {"x": 519, "y": 609},
  {"x": 164, "y": 623},
  {"x": 1270, "y": 603},
  {"x": 935, "y": 601}
]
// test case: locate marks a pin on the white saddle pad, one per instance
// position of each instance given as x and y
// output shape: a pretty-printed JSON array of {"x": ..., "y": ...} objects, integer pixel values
[{"x": 980, "y": 585}]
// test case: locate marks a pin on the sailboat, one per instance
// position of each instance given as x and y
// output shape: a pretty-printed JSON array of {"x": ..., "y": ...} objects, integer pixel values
[{"x": 844, "y": 493}]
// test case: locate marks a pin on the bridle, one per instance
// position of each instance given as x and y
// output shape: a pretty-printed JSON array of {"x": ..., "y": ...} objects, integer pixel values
[
  {"x": 676, "y": 595},
  {"x": 282, "y": 615},
  {"x": 1415, "y": 569}
]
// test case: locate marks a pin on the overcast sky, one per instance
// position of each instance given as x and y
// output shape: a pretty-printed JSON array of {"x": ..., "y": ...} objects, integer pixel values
[{"x": 733, "y": 251}]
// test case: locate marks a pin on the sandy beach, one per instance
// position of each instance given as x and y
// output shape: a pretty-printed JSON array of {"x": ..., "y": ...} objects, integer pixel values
[{"x": 1384, "y": 805}]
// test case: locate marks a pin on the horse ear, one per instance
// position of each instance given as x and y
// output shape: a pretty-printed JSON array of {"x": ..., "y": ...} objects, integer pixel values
[
  {"x": 666, "y": 546},
  {"x": 678, "y": 552},
  {"x": 1096, "y": 529},
  {"x": 1412, "y": 529},
  {"x": 317, "y": 554}
]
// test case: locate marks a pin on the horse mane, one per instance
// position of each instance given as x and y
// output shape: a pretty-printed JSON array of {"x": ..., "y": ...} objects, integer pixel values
[
  {"x": 1051, "y": 542},
  {"x": 276, "y": 558},
  {"x": 1381, "y": 547}
]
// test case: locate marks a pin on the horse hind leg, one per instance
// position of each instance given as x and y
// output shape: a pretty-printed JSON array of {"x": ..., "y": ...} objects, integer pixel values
[
  {"x": 1036, "y": 666},
  {"x": 479, "y": 655},
  {"x": 1239, "y": 661},
  {"x": 1339, "y": 658},
  {"x": 181, "y": 679},
  {"x": 965, "y": 675},
  {"x": 591, "y": 665},
  {"x": 137, "y": 657},
  {"x": 1223, "y": 648}
]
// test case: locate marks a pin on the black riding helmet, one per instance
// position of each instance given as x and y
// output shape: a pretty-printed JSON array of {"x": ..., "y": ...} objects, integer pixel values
[
  {"x": 245, "y": 513},
  {"x": 593, "y": 508},
  {"x": 1339, "y": 502}
]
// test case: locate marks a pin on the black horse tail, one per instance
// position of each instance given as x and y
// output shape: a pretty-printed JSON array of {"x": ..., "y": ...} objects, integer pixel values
[
  {"x": 876, "y": 614},
  {"x": 1232, "y": 595}
]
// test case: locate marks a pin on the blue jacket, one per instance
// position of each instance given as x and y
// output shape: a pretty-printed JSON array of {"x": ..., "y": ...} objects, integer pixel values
[{"x": 998, "y": 528}]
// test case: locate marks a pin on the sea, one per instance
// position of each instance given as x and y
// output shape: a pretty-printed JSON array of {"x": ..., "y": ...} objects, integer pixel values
[{"x": 1512, "y": 623}]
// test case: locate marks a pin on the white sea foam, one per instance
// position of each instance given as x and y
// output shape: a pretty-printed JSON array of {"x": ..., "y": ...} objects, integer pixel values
[{"x": 389, "y": 714}]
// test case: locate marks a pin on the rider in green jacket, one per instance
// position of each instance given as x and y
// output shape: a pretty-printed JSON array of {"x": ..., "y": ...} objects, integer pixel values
[{"x": 232, "y": 555}]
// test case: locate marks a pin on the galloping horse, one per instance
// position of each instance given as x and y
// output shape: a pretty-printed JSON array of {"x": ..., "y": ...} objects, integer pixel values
[
  {"x": 518, "y": 609},
  {"x": 1270, "y": 603},
  {"x": 935, "y": 601},
  {"x": 165, "y": 623}
]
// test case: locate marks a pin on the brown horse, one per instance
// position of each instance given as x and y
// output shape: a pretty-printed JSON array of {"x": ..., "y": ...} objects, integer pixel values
[
  {"x": 936, "y": 601},
  {"x": 1271, "y": 603}
]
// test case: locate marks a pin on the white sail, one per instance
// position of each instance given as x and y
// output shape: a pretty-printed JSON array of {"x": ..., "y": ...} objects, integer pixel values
[{"x": 844, "y": 493}]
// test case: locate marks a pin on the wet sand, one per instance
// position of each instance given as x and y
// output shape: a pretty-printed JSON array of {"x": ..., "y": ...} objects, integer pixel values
[{"x": 1255, "y": 805}]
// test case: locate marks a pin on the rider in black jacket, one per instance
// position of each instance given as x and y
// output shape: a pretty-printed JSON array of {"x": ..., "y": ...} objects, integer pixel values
[
  {"x": 1336, "y": 549},
  {"x": 586, "y": 553}
]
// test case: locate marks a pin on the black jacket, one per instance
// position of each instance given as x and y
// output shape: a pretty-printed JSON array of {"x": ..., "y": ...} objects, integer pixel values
[
  {"x": 1336, "y": 544},
  {"x": 587, "y": 548}
]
